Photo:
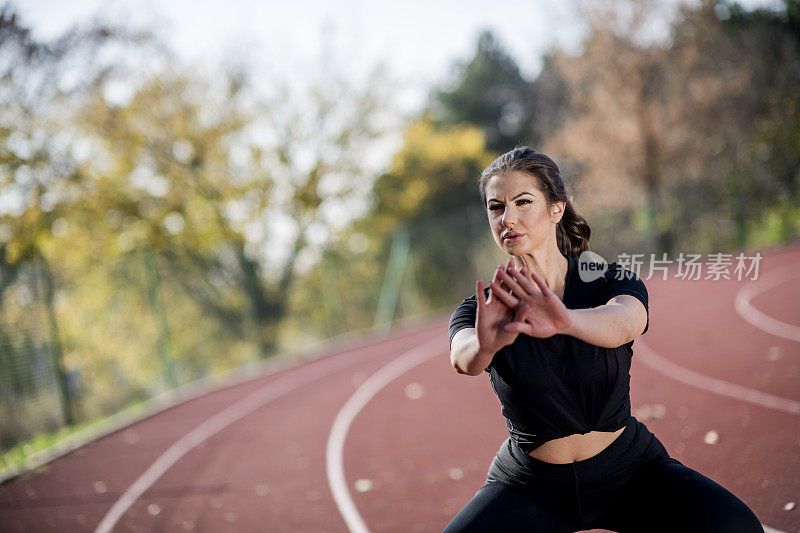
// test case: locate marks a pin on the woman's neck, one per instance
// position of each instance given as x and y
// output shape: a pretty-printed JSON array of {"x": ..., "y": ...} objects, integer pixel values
[{"x": 550, "y": 265}]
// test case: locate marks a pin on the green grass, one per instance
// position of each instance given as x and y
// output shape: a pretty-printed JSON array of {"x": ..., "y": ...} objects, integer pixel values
[{"x": 25, "y": 454}]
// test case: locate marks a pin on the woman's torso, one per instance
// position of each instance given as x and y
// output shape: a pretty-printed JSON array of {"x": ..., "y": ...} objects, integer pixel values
[
  {"x": 563, "y": 399},
  {"x": 575, "y": 447}
]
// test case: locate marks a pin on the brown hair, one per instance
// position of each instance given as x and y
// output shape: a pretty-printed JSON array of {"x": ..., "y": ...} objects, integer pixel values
[{"x": 572, "y": 232}]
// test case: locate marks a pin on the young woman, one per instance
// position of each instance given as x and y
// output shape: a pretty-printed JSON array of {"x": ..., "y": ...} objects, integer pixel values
[{"x": 558, "y": 351}]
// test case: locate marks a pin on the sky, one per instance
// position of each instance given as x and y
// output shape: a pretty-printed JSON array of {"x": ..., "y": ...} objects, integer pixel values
[
  {"x": 415, "y": 37},
  {"x": 418, "y": 40}
]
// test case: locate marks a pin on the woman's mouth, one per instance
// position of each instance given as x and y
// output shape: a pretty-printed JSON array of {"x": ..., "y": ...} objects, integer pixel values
[{"x": 512, "y": 237}]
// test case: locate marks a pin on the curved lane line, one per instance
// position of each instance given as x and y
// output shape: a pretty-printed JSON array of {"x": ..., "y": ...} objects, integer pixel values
[
  {"x": 349, "y": 411},
  {"x": 215, "y": 424},
  {"x": 718, "y": 386},
  {"x": 759, "y": 319}
]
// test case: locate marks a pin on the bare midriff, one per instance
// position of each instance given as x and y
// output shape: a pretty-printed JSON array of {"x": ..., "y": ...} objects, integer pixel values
[{"x": 577, "y": 447}]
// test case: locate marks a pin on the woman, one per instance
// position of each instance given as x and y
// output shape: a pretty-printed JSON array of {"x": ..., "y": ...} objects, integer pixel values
[{"x": 558, "y": 351}]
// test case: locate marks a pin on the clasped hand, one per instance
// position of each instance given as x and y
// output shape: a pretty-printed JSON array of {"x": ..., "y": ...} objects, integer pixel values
[{"x": 518, "y": 302}]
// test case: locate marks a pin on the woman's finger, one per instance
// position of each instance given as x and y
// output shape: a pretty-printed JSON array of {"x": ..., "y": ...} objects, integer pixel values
[
  {"x": 542, "y": 285},
  {"x": 479, "y": 293},
  {"x": 511, "y": 283},
  {"x": 498, "y": 292},
  {"x": 495, "y": 279},
  {"x": 519, "y": 327},
  {"x": 522, "y": 285},
  {"x": 525, "y": 280},
  {"x": 496, "y": 273}
]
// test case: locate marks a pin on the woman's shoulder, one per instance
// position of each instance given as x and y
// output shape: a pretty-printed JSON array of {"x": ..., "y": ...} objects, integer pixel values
[
  {"x": 596, "y": 282},
  {"x": 598, "y": 272},
  {"x": 464, "y": 315}
]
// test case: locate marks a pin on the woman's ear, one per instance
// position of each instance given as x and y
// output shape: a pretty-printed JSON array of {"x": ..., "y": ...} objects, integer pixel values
[{"x": 557, "y": 211}]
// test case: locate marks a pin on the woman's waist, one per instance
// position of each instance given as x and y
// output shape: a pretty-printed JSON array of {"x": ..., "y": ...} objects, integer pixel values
[
  {"x": 633, "y": 444},
  {"x": 564, "y": 433},
  {"x": 576, "y": 447}
]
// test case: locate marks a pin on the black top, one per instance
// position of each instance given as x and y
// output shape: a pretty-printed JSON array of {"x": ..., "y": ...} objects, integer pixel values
[{"x": 554, "y": 387}]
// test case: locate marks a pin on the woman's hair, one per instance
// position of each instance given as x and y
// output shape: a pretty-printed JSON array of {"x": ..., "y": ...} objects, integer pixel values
[{"x": 572, "y": 232}]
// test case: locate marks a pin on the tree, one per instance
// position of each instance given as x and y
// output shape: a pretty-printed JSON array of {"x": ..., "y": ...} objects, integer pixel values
[
  {"x": 660, "y": 128},
  {"x": 491, "y": 93},
  {"x": 37, "y": 167},
  {"x": 201, "y": 173},
  {"x": 232, "y": 190},
  {"x": 38, "y": 171},
  {"x": 432, "y": 188}
]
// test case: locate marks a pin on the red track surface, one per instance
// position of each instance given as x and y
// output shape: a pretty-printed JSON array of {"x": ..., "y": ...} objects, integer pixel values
[{"x": 426, "y": 439}]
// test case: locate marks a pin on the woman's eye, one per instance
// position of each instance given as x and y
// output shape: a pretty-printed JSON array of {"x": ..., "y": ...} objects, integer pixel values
[
  {"x": 523, "y": 201},
  {"x": 495, "y": 207}
]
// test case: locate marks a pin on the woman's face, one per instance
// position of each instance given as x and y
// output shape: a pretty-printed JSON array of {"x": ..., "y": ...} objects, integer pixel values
[{"x": 519, "y": 216}]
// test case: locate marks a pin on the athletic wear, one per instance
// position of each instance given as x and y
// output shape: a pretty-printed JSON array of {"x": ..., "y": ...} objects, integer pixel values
[
  {"x": 631, "y": 486},
  {"x": 551, "y": 388},
  {"x": 558, "y": 386}
]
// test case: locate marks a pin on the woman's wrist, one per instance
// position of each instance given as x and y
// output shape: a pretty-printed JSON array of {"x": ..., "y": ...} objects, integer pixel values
[
  {"x": 571, "y": 327},
  {"x": 485, "y": 353}
]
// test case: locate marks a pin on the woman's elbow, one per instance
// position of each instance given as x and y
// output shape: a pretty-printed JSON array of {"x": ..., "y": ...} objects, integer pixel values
[
  {"x": 635, "y": 330},
  {"x": 457, "y": 367},
  {"x": 469, "y": 372},
  {"x": 461, "y": 369}
]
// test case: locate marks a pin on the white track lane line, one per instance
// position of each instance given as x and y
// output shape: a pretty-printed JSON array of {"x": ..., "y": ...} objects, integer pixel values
[
  {"x": 664, "y": 366},
  {"x": 229, "y": 415},
  {"x": 756, "y": 317},
  {"x": 349, "y": 411}
]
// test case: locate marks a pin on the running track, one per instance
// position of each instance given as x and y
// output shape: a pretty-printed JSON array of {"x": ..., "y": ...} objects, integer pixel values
[{"x": 385, "y": 436}]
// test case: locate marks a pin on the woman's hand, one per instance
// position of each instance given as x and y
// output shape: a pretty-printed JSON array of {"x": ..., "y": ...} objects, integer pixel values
[
  {"x": 493, "y": 317},
  {"x": 537, "y": 310}
]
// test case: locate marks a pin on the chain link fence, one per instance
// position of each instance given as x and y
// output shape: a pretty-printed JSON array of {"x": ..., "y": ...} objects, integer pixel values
[
  {"x": 34, "y": 392},
  {"x": 85, "y": 341}
]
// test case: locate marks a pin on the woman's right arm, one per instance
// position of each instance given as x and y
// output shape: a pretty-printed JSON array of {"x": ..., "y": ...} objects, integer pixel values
[{"x": 466, "y": 354}]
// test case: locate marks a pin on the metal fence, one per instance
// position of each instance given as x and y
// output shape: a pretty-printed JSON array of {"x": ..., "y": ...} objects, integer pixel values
[{"x": 34, "y": 392}]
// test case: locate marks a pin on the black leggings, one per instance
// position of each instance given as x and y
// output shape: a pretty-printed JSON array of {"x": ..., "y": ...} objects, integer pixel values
[{"x": 631, "y": 486}]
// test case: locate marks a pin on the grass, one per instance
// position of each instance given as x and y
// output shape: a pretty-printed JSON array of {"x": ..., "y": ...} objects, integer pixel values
[{"x": 29, "y": 453}]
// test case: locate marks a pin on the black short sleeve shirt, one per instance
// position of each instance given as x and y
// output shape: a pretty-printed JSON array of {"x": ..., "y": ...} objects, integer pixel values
[{"x": 558, "y": 386}]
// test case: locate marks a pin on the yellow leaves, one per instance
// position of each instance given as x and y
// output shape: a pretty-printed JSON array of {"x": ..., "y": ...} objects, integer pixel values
[
  {"x": 423, "y": 143},
  {"x": 413, "y": 195},
  {"x": 431, "y": 162},
  {"x": 13, "y": 251}
]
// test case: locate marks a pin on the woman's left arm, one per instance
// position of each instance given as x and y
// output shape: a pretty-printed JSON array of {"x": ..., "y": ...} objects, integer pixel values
[{"x": 619, "y": 321}]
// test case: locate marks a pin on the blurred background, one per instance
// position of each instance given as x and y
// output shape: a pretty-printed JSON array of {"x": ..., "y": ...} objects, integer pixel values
[{"x": 193, "y": 188}]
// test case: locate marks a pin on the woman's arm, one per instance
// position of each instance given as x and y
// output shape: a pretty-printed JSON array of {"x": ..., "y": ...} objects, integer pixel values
[
  {"x": 617, "y": 322},
  {"x": 466, "y": 355},
  {"x": 472, "y": 349}
]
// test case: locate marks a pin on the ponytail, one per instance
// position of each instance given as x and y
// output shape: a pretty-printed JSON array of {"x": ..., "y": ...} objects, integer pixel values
[{"x": 572, "y": 232}]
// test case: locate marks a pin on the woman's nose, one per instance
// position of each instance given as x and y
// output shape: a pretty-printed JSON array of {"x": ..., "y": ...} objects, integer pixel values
[{"x": 509, "y": 217}]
